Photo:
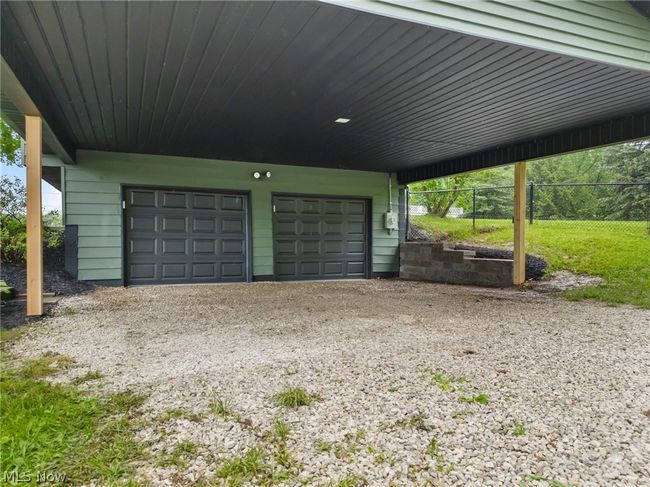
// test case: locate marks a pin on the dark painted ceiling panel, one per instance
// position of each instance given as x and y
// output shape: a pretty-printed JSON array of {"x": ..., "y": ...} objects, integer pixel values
[{"x": 264, "y": 81}]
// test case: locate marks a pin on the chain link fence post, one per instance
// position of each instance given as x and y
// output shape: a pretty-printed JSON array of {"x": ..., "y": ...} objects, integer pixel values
[{"x": 531, "y": 201}]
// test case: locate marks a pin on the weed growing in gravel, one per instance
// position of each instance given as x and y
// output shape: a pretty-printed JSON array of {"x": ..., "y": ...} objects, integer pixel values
[
  {"x": 445, "y": 381},
  {"x": 281, "y": 430},
  {"x": 415, "y": 421},
  {"x": 347, "y": 449},
  {"x": 66, "y": 311},
  {"x": 434, "y": 452},
  {"x": 509, "y": 396},
  {"x": 294, "y": 397},
  {"x": 178, "y": 413},
  {"x": 518, "y": 429},
  {"x": 538, "y": 478},
  {"x": 177, "y": 457},
  {"x": 323, "y": 446},
  {"x": 393, "y": 389},
  {"x": 248, "y": 466},
  {"x": 353, "y": 481},
  {"x": 256, "y": 467},
  {"x": 87, "y": 377},
  {"x": 381, "y": 457},
  {"x": 478, "y": 399},
  {"x": 221, "y": 407}
]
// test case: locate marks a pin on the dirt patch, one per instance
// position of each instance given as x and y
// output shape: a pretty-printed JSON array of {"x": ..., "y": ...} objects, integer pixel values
[{"x": 565, "y": 281}]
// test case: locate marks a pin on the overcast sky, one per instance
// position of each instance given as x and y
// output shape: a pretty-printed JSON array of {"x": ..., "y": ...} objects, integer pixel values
[{"x": 51, "y": 195}]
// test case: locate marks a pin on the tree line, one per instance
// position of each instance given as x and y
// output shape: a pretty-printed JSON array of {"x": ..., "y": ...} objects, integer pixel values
[{"x": 622, "y": 163}]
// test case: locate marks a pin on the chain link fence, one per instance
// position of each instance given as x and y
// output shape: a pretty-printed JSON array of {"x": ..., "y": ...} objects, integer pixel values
[{"x": 607, "y": 206}]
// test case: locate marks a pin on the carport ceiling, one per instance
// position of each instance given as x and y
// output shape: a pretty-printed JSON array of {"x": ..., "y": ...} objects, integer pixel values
[{"x": 265, "y": 81}]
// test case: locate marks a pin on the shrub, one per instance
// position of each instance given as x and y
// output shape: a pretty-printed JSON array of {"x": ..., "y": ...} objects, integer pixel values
[{"x": 13, "y": 238}]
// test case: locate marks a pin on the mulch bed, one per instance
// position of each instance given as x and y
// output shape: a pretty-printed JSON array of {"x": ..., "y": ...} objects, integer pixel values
[
  {"x": 535, "y": 266},
  {"x": 55, "y": 280}
]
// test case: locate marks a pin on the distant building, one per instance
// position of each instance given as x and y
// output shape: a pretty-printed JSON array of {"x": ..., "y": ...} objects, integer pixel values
[{"x": 455, "y": 212}]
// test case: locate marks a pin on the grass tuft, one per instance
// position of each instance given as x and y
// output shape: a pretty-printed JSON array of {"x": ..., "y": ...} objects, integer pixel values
[
  {"x": 248, "y": 466},
  {"x": 281, "y": 430},
  {"x": 323, "y": 446},
  {"x": 222, "y": 407},
  {"x": 178, "y": 455},
  {"x": 178, "y": 413},
  {"x": 294, "y": 397},
  {"x": 87, "y": 377},
  {"x": 66, "y": 311},
  {"x": 352, "y": 481},
  {"x": 432, "y": 447}
]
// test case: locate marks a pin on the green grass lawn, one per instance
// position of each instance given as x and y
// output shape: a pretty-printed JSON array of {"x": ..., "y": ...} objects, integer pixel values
[
  {"x": 619, "y": 252},
  {"x": 56, "y": 430}
]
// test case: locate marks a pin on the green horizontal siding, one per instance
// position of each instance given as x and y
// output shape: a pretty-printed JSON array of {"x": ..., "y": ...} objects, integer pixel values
[
  {"x": 99, "y": 252},
  {"x": 605, "y": 31},
  {"x": 93, "y": 201},
  {"x": 99, "y": 274}
]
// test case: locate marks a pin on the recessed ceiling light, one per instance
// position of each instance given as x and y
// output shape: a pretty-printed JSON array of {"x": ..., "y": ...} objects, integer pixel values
[{"x": 342, "y": 120}]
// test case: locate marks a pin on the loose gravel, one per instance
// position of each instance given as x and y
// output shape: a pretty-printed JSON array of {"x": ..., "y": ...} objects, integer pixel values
[{"x": 413, "y": 383}]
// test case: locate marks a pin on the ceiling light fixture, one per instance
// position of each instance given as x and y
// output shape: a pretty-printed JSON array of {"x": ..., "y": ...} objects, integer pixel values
[{"x": 342, "y": 120}]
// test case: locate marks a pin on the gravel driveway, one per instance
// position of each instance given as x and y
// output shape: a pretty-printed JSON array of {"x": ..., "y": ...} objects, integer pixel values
[{"x": 416, "y": 383}]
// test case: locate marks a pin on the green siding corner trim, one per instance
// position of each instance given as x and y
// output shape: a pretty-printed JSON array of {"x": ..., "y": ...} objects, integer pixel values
[
  {"x": 612, "y": 32},
  {"x": 94, "y": 201}
]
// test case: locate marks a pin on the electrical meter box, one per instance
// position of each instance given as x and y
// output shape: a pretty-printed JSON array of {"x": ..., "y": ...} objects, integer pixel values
[{"x": 390, "y": 221}]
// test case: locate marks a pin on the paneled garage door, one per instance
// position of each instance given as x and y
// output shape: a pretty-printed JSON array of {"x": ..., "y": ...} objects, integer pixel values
[
  {"x": 320, "y": 238},
  {"x": 185, "y": 236}
]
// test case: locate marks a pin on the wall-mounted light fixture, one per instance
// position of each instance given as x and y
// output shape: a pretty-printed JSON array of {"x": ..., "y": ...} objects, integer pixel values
[
  {"x": 262, "y": 174},
  {"x": 342, "y": 120}
]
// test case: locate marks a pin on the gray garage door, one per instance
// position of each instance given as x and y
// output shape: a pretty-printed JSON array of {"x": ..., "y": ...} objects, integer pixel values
[
  {"x": 319, "y": 238},
  {"x": 185, "y": 236}
]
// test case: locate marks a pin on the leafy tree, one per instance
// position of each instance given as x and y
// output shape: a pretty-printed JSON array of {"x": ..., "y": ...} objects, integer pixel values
[
  {"x": 10, "y": 152},
  {"x": 12, "y": 196},
  {"x": 631, "y": 162},
  {"x": 440, "y": 203}
]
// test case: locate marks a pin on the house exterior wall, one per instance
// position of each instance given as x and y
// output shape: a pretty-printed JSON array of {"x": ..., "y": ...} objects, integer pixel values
[
  {"x": 607, "y": 31},
  {"x": 93, "y": 202}
]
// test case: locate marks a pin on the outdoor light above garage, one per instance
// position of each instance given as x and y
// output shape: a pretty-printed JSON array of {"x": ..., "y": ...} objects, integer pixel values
[
  {"x": 342, "y": 120},
  {"x": 262, "y": 174}
]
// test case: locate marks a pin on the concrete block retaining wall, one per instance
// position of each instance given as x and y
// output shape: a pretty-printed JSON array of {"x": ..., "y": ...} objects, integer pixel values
[{"x": 438, "y": 262}]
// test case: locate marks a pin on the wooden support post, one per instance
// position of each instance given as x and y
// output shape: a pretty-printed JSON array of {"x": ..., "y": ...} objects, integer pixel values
[
  {"x": 519, "y": 267},
  {"x": 33, "y": 137}
]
